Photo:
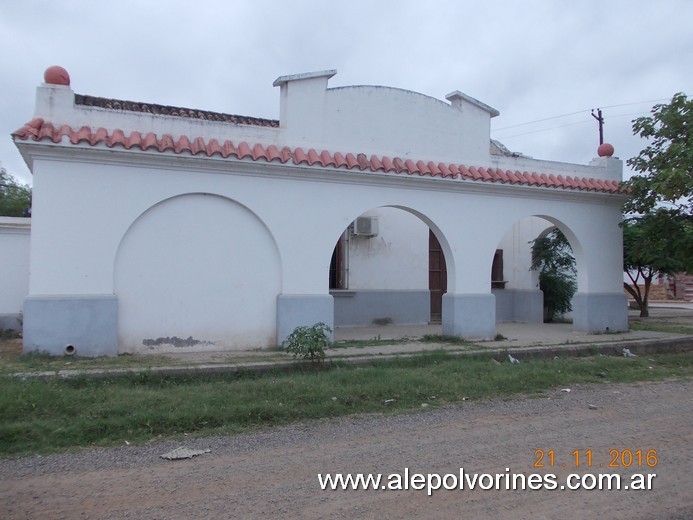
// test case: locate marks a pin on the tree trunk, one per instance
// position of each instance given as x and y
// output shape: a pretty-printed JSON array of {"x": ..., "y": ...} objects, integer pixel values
[
  {"x": 645, "y": 307},
  {"x": 634, "y": 291}
]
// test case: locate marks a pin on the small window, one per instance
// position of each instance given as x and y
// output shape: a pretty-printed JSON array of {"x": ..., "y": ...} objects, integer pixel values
[
  {"x": 497, "y": 278},
  {"x": 338, "y": 264}
]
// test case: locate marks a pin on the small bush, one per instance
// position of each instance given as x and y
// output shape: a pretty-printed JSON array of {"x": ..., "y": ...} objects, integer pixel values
[
  {"x": 558, "y": 292},
  {"x": 553, "y": 257},
  {"x": 309, "y": 342}
]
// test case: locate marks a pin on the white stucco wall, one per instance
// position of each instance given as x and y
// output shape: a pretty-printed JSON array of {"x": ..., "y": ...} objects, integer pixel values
[
  {"x": 517, "y": 253},
  {"x": 14, "y": 264},
  {"x": 396, "y": 259},
  {"x": 200, "y": 268}
]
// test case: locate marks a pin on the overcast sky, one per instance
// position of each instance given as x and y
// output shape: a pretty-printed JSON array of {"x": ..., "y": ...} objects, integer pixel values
[{"x": 531, "y": 59}]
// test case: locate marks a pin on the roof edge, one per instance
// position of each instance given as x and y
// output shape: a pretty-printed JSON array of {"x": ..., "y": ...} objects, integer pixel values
[
  {"x": 282, "y": 80},
  {"x": 456, "y": 96}
]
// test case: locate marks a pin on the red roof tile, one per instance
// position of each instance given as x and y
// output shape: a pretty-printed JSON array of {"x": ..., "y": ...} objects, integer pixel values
[
  {"x": 39, "y": 130},
  {"x": 190, "y": 113},
  {"x": 339, "y": 160}
]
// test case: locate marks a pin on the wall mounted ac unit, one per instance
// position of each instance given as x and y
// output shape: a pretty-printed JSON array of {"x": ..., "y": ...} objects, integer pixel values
[{"x": 365, "y": 227}]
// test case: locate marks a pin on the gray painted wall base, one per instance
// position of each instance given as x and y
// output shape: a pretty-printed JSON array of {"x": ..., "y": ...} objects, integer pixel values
[
  {"x": 88, "y": 323},
  {"x": 600, "y": 312},
  {"x": 518, "y": 305},
  {"x": 470, "y": 316},
  {"x": 363, "y": 308},
  {"x": 11, "y": 322},
  {"x": 296, "y": 310}
]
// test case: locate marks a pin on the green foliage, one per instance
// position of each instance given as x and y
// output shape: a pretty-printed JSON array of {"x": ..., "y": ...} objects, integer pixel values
[
  {"x": 58, "y": 414},
  {"x": 450, "y": 340},
  {"x": 15, "y": 198},
  {"x": 553, "y": 257},
  {"x": 558, "y": 289},
  {"x": 309, "y": 342},
  {"x": 666, "y": 164},
  {"x": 659, "y": 242}
]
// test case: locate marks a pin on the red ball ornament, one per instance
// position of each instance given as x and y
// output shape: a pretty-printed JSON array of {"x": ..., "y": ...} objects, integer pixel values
[
  {"x": 56, "y": 75},
  {"x": 605, "y": 150}
]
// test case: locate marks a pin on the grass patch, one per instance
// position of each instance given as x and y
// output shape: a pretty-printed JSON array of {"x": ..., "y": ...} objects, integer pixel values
[
  {"x": 374, "y": 342},
  {"x": 42, "y": 416},
  {"x": 449, "y": 340},
  {"x": 671, "y": 327},
  {"x": 12, "y": 360}
]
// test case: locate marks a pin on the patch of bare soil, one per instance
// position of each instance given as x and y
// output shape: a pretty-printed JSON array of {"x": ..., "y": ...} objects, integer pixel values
[
  {"x": 10, "y": 347},
  {"x": 274, "y": 474}
]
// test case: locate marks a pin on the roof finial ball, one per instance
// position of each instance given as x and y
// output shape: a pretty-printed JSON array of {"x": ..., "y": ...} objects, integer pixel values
[
  {"x": 56, "y": 75},
  {"x": 605, "y": 150}
]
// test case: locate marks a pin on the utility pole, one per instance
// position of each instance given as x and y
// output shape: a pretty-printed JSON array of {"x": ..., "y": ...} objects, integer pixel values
[{"x": 600, "y": 120}]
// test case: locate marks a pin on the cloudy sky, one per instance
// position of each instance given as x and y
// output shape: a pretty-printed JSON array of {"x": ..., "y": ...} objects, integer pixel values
[{"x": 542, "y": 63}]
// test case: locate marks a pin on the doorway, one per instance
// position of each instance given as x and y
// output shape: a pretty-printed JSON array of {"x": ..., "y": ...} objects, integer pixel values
[{"x": 437, "y": 277}]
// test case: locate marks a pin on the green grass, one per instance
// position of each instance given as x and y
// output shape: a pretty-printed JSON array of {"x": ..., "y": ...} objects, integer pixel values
[
  {"x": 53, "y": 415},
  {"x": 671, "y": 327},
  {"x": 12, "y": 360},
  {"x": 450, "y": 340},
  {"x": 374, "y": 342}
]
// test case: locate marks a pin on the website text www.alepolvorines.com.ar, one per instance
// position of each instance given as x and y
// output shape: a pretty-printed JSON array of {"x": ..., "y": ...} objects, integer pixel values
[{"x": 432, "y": 482}]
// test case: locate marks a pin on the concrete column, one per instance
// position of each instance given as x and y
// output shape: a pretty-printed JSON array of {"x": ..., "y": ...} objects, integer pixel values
[
  {"x": 84, "y": 325},
  {"x": 600, "y": 312},
  {"x": 471, "y": 316},
  {"x": 296, "y": 310},
  {"x": 519, "y": 305}
]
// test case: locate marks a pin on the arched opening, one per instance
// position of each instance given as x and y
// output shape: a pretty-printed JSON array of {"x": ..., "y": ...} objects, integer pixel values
[
  {"x": 518, "y": 297},
  {"x": 437, "y": 276},
  {"x": 388, "y": 267}
]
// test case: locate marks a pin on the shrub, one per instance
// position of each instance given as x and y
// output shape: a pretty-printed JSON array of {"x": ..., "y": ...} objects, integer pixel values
[
  {"x": 558, "y": 292},
  {"x": 553, "y": 257},
  {"x": 309, "y": 342}
]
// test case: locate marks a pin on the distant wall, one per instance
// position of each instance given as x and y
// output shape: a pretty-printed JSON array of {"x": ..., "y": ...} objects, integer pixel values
[
  {"x": 15, "y": 235},
  {"x": 395, "y": 259},
  {"x": 517, "y": 253}
]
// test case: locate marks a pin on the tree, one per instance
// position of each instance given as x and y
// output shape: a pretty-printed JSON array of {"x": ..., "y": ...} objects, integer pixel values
[
  {"x": 15, "y": 198},
  {"x": 659, "y": 242},
  {"x": 660, "y": 239},
  {"x": 666, "y": 164},
  {"x": 553, "y": 257}
]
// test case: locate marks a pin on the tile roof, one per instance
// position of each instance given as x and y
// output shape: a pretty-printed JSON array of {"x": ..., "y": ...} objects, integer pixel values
[
  {"x": 39, "y": 130},
  {"x": 149, "y": 108}
]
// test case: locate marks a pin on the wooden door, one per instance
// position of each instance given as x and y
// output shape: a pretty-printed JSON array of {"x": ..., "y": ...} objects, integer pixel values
[
  {"x": 437, "y": 277},
  {"x": 337, "y": 266}
]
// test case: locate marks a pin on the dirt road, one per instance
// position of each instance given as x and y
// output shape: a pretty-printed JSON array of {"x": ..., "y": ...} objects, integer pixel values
[{"x": 273, "y": 474}]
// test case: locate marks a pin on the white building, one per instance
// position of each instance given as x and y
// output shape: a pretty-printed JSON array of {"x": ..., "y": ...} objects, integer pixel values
[
  {"x": 158, "y": 227},
  {"x": 14, "y": 270}
]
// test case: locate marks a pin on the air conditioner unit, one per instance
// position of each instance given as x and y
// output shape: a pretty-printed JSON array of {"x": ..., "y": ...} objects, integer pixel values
[{"x": 365, "y": 227}]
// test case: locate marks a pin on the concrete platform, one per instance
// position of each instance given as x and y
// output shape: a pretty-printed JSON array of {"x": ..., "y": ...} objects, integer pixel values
[
  {"x": 522, "y": 340},
  {"x": 516, "y": 336}
]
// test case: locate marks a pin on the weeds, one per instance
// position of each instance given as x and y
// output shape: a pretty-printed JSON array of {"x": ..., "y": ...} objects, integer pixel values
[
  {"x": 41, "y": 416},
  {"x": 662, "y": 326},
  {"x": 451, "y": 340},
  {"x": 309, "y": 342},
  {"x": 374, "y": 342}
]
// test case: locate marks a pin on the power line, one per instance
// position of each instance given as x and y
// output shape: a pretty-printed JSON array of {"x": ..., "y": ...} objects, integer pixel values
[
  {"x": 577, "y": 112},
  {"x": 566, "y": 125},
  {"x": 544, "y": 129},
  {"x": 540, "y": 120}
]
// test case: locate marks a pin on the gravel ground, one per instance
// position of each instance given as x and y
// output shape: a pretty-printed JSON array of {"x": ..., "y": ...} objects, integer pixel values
[{"x": 273, "y": 473}]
